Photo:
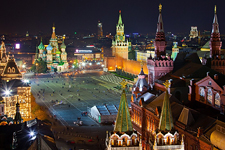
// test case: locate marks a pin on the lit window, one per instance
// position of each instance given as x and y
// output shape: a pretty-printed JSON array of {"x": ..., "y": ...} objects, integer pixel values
[
  {"x": 9, "y": 70},
  {"x": 202, "y": 92},
  {"x": 217, "y": 100},
  {"x": 13, "y": 70},
  {"x": 209, "y": 97}
]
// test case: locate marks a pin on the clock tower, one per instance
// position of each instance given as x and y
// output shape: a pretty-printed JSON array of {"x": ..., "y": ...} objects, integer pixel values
[{"x": 119, "y": 44}]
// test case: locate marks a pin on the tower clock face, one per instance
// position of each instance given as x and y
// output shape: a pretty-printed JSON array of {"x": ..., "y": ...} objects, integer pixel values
[{"x": 121, "y": 38}]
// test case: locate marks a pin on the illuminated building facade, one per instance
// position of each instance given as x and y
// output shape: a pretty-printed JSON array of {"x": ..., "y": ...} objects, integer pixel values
[
  {"x": 53, "y": 54},
  {"x": 123, "y": 137},
  {"x": 159, "y": 65},
  {"x": 14, "y": 90},
  {"x": 120, "y": 44},
  {"x": 100, "y": 30},
  {"x": 194, "y": 32}
]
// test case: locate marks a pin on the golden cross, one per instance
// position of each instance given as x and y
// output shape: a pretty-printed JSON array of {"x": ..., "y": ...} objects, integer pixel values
[
  {"x": 167, "y": 84},
  {"x": 124, "y": 84},
  {"x": 215, "y": 9},
  {"x": 160, "y": 7}
]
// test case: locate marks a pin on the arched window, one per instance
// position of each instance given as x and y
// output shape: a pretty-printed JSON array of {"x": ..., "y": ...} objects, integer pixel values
[
  {"x": 217, "y": 100},
  {"x": 202, "y": 92},
  {"x": 9, "y": 70},
  {"x": 13, "y": 70},
  {"x": 209, "y": 96}
]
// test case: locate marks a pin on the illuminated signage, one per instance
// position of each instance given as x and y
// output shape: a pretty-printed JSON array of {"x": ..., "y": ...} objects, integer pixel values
[{"x": 83, "y": 51}]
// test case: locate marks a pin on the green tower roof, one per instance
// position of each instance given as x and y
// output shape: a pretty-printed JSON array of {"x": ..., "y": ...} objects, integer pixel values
[
  {"x": 63, "y": 45},
  {"x": 120, "y": 19},
  {"x": 41, "y": 46},
  {"x": 166, "y": 118},
  {"x": 58, "y": 51},
  {"x": 123, "y": 120}
]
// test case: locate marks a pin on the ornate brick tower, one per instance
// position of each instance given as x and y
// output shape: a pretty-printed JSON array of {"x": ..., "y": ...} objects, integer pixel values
[
  {"x": 120, "y": 45},
  {"x": 215, "y": 44},
  {"x": 160, "y": 41},
  {"x": 159, "y": 65},
  {"x": 215, "y": 41}
]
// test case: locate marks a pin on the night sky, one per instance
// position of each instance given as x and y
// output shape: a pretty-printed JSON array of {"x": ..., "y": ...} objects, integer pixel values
[{"x": 19, "y": 16}]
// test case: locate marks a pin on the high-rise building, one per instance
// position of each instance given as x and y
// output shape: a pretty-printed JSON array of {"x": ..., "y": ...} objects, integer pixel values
[
  {"x": 120, "y": 44},
  {"x": 100, "y": 30}
]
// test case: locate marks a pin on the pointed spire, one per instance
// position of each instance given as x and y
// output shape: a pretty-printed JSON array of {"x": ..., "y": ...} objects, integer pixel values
[
  {"x": 123, "y": 120},
  {"x": 120, "y": 19},
  {"x": 160, "y": 22},
  {"x": 18, "y": 117},
  {"x": 215, "y": 26},
  {"x": 166, "y": 119},
  {"x": 53, "y": 31}
]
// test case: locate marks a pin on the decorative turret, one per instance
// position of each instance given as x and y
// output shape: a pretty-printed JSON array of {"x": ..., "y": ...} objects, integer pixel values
[
  {"x": 18, "y": 119},
  {"x": 3, "y": 53},
  {"x": 141, "y": 85},
  {"x": 215, "y": 41},
  {"x": 63, "y": 46},
  {"x": 123, "y": 120},
  {"x": 120, "y": 19},
  {"x": 49, "y": 47},
  {"x": 166, "y": 118},
  {"x": 123, "y": 136},
  {"x": 160, "y": 42},
  {"x": 41, "y": 48},
  {"x": 53, "y": 32},
  {"x": 166, "y": 137}
]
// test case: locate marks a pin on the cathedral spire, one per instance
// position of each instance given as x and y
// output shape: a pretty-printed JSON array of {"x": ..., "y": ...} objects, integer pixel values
[
  {"x": 123, "y": 120},
  {"x": 120, "y": 19},
  {"x": 166, "y": 118}
]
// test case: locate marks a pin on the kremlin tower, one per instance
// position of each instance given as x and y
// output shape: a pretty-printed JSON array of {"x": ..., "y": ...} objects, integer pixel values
[
  {"x": 159, "y": 65},
  {"x": 123, "y": 137},
  {"x": 119, "y": 44},
  {"x": 215, "y": 41},
  {"x": 215, "y": 44}
]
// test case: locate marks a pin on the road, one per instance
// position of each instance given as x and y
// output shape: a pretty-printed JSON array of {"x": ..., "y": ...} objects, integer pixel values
[{"x": 75, "y": 95}]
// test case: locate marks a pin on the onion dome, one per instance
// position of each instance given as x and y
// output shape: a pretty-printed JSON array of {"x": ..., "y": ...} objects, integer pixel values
[
  {"x": 41, "y": 46},
  {"x": 63, "y": 45},
  {"x": 49, "y": 47},
  {"x": 58, "y": 52}
]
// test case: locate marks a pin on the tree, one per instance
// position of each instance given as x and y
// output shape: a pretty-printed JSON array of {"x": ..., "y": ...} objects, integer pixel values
[
  {"x": 131, "y": 55},
  {"x": 39, "y": 66}
]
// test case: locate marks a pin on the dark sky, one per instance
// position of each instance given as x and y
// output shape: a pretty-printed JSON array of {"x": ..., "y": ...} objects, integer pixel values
[{"x": 19, "y": 16}]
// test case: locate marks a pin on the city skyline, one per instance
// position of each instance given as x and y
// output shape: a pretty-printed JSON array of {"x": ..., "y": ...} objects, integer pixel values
[{"x": 141, "y": 16}]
